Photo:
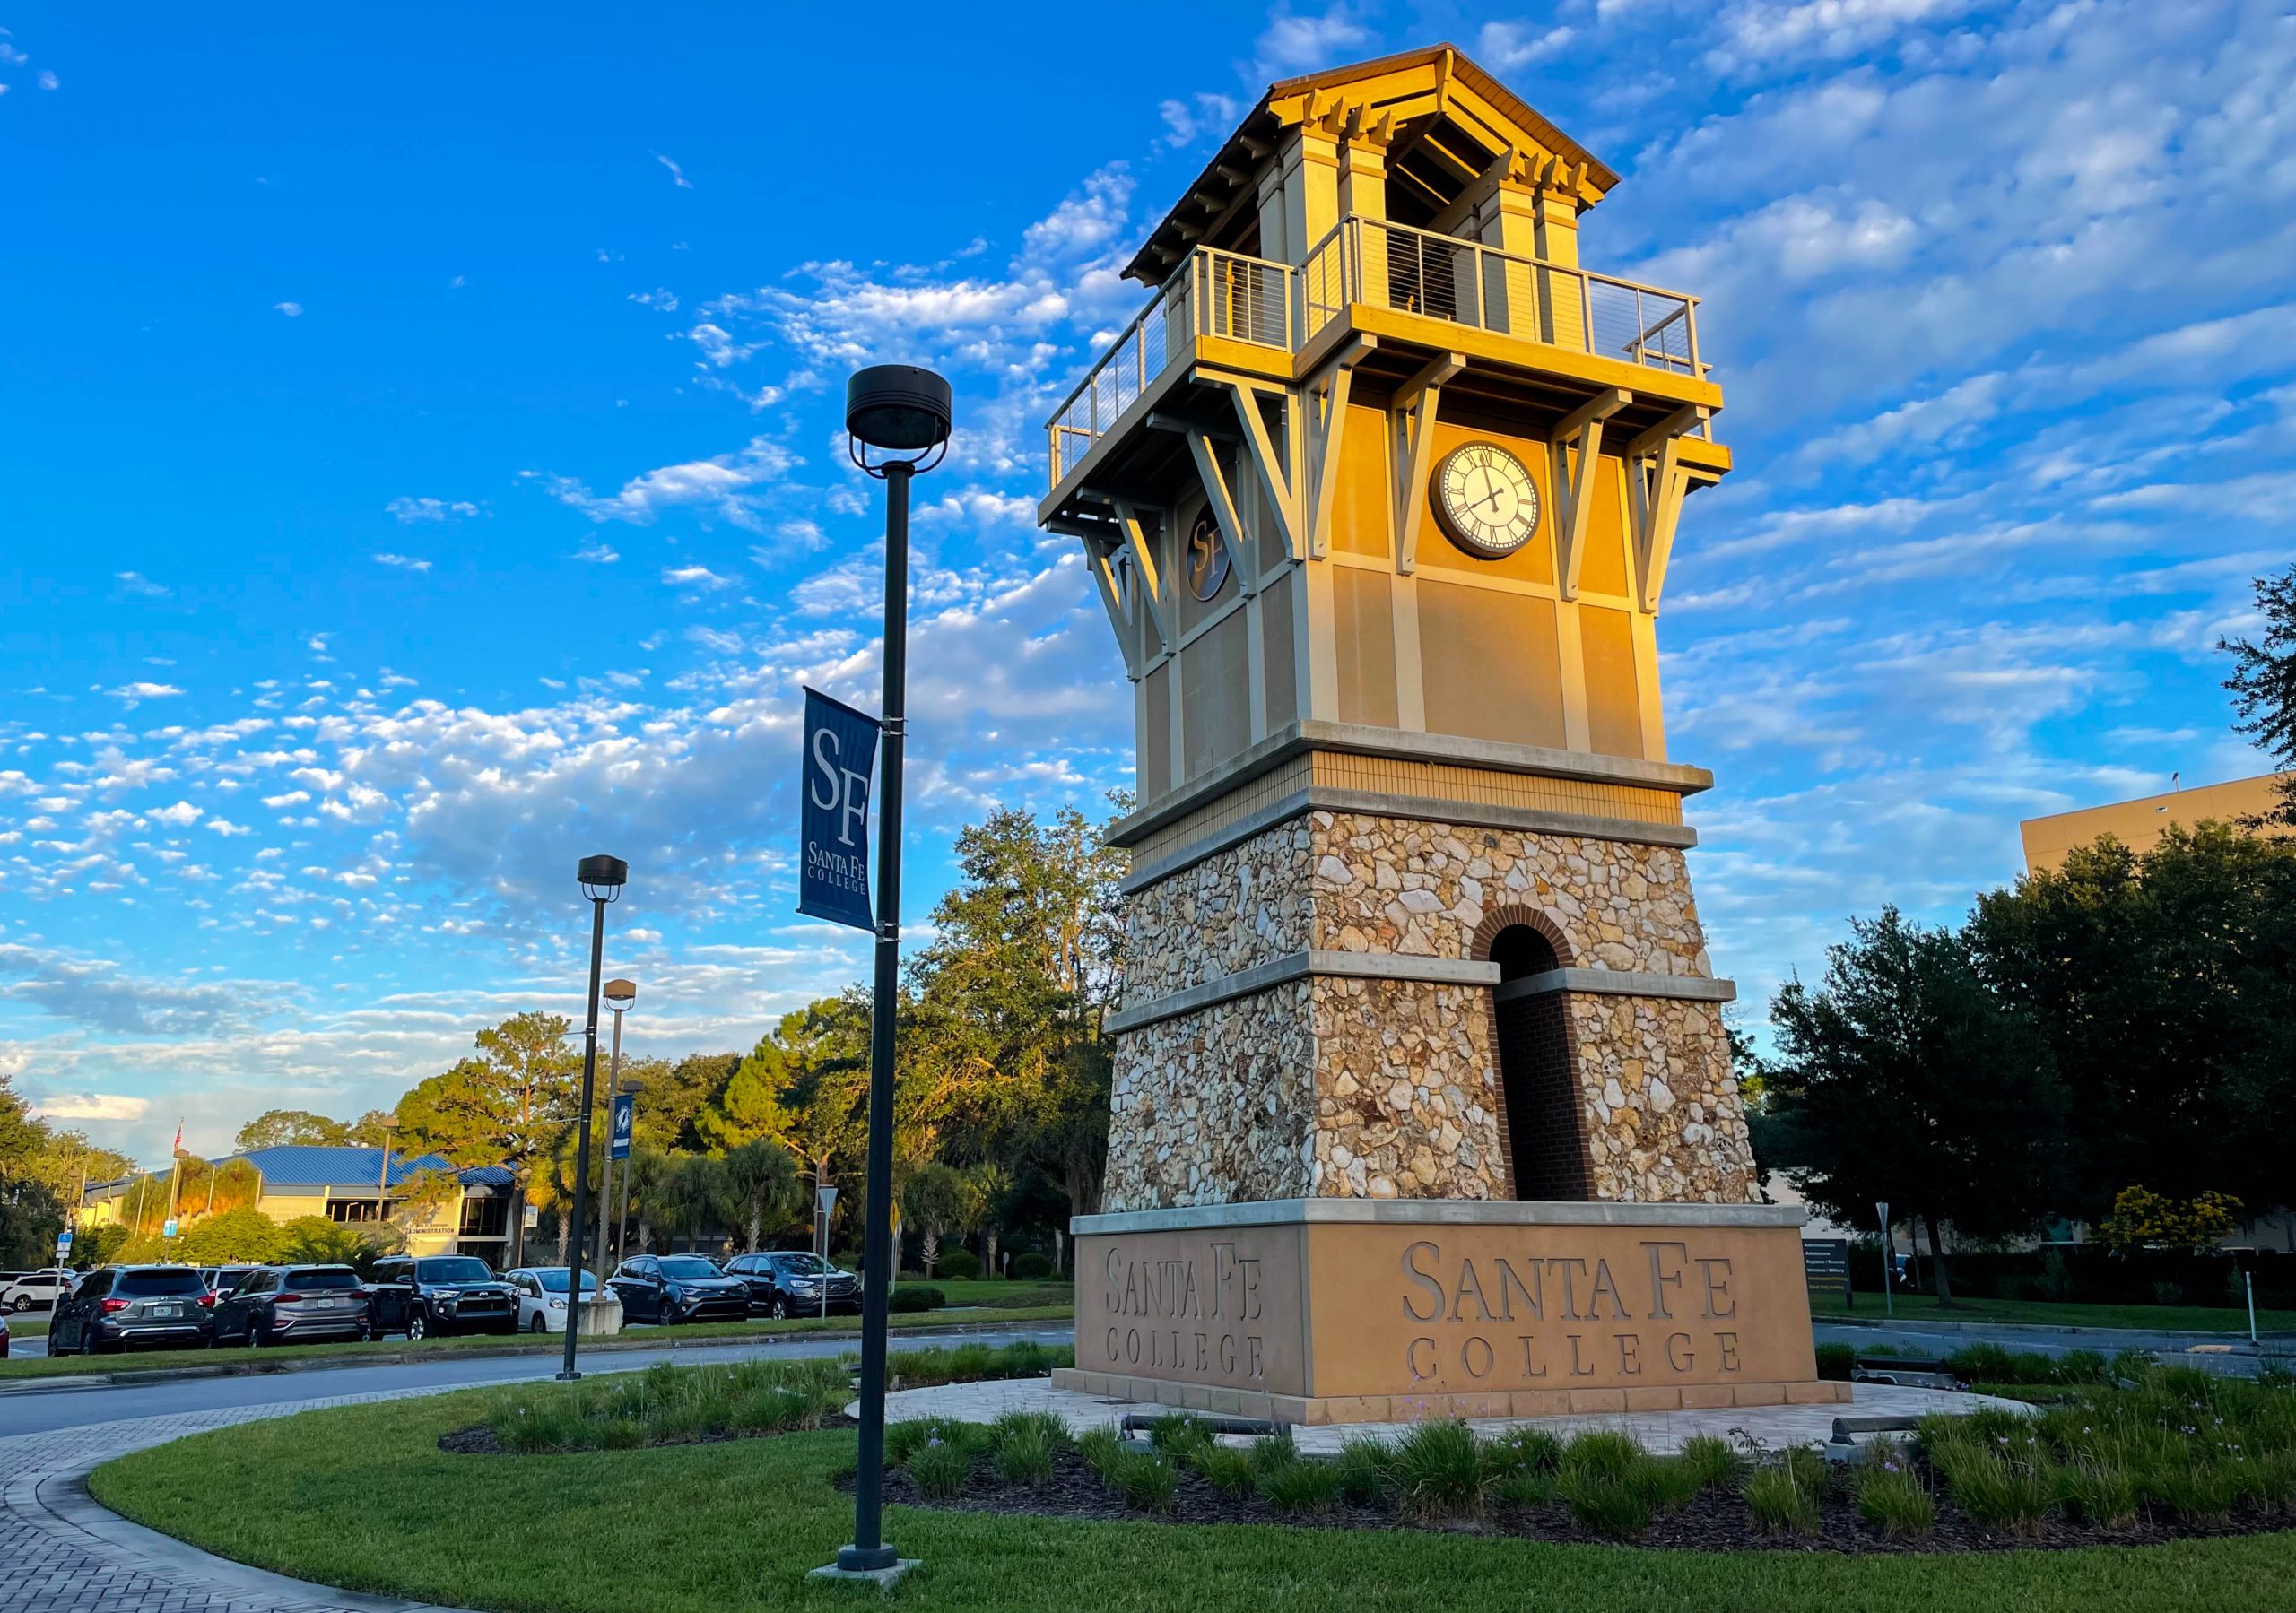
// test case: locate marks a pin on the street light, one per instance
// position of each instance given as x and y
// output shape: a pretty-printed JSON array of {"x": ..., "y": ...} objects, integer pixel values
[
  {"x": 896, "y": 410},
  {"x": 619, "y": 995},
  {"x": 602, "y": 880},
  {"x": 383, "y": 1172}
]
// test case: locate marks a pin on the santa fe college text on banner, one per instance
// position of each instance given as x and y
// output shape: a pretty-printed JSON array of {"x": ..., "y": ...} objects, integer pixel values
[{"x": 833, "y": 862}]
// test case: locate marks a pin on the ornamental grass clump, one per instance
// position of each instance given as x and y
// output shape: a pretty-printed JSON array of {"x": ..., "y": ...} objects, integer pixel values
[
  {"x": 1366, "y": 1468},
  {"x": 1665, "y": 1484},
  {"x": 1180, "y": 1436},
  {"x": 1145, "y": 1480},
  {"x": 1023, "y": 1444},
  {"x": 1440, "y": 1470},
  {"x": 940, "y": 1468},
  {"x": 1601, "y": 1451},
  {"x": 1521, "y": 1450},
  {"x": 1227, "y": 1469},
  {"x": 1604, "y": 1504},
  {"x": 2003, "y": 1487},
  {"x": 1714, "y": 1459},
  {"x": 2102, "y": 1492},
  {"x": 1273, "y": 1451},
  {"x": 1782, "y": 1495},
  {"x": 1101, "y": 1448},
  {"x": 904, "y": 1439},
  {"x": 1890, "y": 1496},
  {"x": 1305, "y": 1486}
]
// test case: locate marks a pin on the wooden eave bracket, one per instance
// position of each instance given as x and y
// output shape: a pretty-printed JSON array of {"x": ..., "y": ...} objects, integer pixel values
[
  {"x": 1574, "y": 490},
  {"x": 1151, "y": 589},
  {"x": 1411, "y": 422},
  {"x": 1656, "y": 480},
  {"x": 1278, "y": 477},
  {"x": 1327, "y": 437},
  {"x": 1243, "y": 548}
]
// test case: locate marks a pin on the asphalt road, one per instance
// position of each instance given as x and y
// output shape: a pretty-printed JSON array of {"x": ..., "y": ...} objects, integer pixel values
[
  {"x": 25, "y": 1409},
  {"x": 2236, "y": 1362}
]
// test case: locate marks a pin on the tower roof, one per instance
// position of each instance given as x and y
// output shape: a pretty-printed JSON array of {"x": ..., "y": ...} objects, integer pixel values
[{"x": 1444, "y": 118}]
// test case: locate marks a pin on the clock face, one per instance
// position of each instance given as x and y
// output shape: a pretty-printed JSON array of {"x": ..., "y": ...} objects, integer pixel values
[
  {"x": 1207, "y": 557},
  {"x": 1486, "y": 498}
]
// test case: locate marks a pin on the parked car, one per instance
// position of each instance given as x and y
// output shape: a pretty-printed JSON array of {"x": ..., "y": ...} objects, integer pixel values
[
  {"x": 276, "y": 1304},
  {"x": 440, "y": 1294},
  {"x": 678, "y": 1288},
  {"x": 541, "y": 1296},
  {"x": 788, "y": 1282},
  {"x": 123, "y": 1308},
  {"x": 222, "y": 1280},
  {"x": 35, "y": 1290}
]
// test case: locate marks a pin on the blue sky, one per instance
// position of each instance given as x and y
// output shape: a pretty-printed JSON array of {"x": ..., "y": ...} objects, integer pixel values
[{"x": 419, "y": 467}]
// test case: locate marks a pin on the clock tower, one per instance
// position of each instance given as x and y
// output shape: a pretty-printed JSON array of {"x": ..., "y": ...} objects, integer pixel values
[{"x": 1378, "y": 492}]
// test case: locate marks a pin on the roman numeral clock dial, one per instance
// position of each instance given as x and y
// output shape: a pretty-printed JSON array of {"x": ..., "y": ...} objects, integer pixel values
[{"x": 1486, "y": 500}]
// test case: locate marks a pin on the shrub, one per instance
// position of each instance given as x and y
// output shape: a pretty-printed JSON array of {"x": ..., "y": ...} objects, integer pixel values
[
  {"x": 2196, "y": 1492},
  {"x": 1837, "y": 1361},
  {"x": 904, "y": 1440},
  {"x": 2015, "y": 1494},
  {"x": 1101, "y": 1448},
  {"x": 959, "y": 1265},
  {"x": 1523, "y": 1486},
  {"x": 1439, "y": 1470},
  {"x": 970, "y": 1363},
  {"x": 1180, "y": 1436},
  {"x": 2081, "y": 1366},
  {"x": 1662, "y": 1483},
  {"x": 1366, "y": 1468},
  {"x": 1601, "y": 1451},
  {"x": 1300, "y": 1487},
  {"x": 1779, "y": 1504},
  {"x": 1032, "y": 1266},
  {"x": 1227, "y": 1469},
  {"x": 1024, "y": 1454},
  {"x": 2102, "y": 1493},
  {"x": 1604, "y": 1504},
  {"x": 1890, "y": 1496},
  {"x": 911, "y": 1298},
  {"x": 941, "y": 1467},
  {"x": 1713, "y": 1459},
  {"x": 1145, "y": 1480},
  {"x": 1521, "y": 1449},
  {"x": 1273, "y": 1451}
]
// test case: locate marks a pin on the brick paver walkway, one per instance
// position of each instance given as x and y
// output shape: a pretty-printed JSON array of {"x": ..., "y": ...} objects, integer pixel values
[{"x": 62, "y": 1553}]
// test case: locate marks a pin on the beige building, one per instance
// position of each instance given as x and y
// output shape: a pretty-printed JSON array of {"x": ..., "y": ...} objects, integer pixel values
[{"x": 2139, "y": 824}]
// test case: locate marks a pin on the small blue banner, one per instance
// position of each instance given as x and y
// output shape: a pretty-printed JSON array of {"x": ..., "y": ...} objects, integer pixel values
[
  {"x": 625, "y": 1124},
  {"x": 833, "y": 862}
]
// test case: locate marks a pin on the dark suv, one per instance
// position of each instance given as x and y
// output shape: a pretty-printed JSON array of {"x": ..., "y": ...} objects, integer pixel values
[
  {"x": 120, "y": 1308},
  {"x": 677, "y": 1288},
  {"x": 440, "y": 1294},
  {"x": 788, "y": 1282},
  {"x": 273, "y": 1304}
]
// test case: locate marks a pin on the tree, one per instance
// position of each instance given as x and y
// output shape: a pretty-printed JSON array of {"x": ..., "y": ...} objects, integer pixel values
[
  {"x": 1906, "y": 1079},
  {"x": 804, "y": 1087},
  {"x": 2263, "y": 684},
  {"x": 2143, "y": 1219},
  {"x": 277, "y": 1128},
  {"x": 758, "y": 1184},
  {"x": 231, "y": 1236},
  {"x": 2165, "y": 985},
  {"x": 672, "y": 1097},
  {"x": 507, "y": 1106},
  {"x": 938, "y": 1199}
]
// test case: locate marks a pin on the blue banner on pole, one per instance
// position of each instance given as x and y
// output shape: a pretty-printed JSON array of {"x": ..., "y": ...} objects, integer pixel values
[
  {"x": 833, "y": 864},
  {"x": 625, "y": 1122}
]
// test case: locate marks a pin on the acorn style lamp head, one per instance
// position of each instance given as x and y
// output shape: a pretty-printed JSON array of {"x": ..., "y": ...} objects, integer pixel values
[{"x": 603, "y": 878}]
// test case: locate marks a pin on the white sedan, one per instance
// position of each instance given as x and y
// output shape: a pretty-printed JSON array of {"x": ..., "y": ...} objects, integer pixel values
[{"x": 541, "y": 1299}]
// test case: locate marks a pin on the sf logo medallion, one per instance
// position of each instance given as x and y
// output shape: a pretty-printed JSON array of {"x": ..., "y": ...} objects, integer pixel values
[
  {"x": 1486, "y": 500},
  {"x": 1207, "y": 557}
]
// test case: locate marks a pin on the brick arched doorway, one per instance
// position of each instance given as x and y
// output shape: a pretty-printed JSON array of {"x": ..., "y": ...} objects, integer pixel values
[{"x": 1546, "y": 1143}]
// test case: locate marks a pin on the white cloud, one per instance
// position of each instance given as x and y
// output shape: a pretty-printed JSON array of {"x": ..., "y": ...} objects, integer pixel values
[
  {"x": 1202, "y": 116},
  {"x": 403, "y": 562},
  {"x": 695, "y": 576},
  {"x": 1511, "y": 46},
  {"x": 408, "y": 511},
  {"x": 133, "y": 693},
  {"x": 92, "y": 1105},
  {"x": 661, "y": 298},
  {"x": 1293, "y": 44},
  {"x": 181, "y": 815},
  {"x": 224, "y": 827},
  {"x": 596, "y": 554},
  {"x": 46, "y": 79},
  {"x": 294, "y": 310},
  {"x": 677, "y": 174},
  {"x": 136, "y": 582},
  {"x": 720, "y": 486}
]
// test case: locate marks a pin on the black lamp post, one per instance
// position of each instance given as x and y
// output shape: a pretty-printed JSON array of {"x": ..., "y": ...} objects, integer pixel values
[
  {"x": 602, "y": 880},
  {"x": 899, "y": 411}
]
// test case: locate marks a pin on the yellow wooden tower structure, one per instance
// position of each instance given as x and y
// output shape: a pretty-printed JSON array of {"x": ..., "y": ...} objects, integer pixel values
[{"x": 1378, "y": 492}]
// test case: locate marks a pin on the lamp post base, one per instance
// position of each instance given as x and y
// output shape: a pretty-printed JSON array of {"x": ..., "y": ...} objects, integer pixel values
[
  {"x": 569, "y": 1377},
  {"x": 881, "y": 1568}
]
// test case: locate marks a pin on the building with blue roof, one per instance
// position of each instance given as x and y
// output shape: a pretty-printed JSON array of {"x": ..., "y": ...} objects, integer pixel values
[{"x": 360, "y": 1186}]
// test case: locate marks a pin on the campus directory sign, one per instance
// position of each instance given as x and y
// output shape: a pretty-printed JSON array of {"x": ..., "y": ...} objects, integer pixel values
[{"x": 841, "y": 757}]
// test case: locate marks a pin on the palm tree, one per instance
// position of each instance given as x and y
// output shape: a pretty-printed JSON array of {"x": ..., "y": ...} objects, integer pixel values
[
  {"x": 940, "y": 1198},
  {"x": 756, "y": 1181}
]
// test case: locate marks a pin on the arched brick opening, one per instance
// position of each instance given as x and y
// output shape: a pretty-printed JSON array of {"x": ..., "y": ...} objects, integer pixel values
[{"x": 1540, "y": 1114}]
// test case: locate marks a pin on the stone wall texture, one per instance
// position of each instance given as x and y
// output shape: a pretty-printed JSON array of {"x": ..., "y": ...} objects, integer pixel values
[{"x": 1336, "y": 1085}]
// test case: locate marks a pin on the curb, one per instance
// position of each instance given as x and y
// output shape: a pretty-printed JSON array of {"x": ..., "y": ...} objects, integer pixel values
[
  {"x": 408, "y": 1358},
  {"x": 2285, "y": 1341}
]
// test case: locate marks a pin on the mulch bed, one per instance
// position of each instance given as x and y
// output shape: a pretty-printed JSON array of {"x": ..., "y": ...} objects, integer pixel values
[{"x": 1714, "y": 1522}]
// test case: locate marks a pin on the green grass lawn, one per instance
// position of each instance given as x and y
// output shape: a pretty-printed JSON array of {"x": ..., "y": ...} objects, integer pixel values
[
  {"x": 2174, "y": 1318},
  {"x": 28, "y": 1325},
  {"x": 641, "y": 1337},
  {"x": 362, "y": 1497}
]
